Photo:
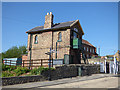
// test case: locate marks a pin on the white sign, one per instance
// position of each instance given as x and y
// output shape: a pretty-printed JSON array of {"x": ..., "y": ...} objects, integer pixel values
[{"x": 58, "y": 62}]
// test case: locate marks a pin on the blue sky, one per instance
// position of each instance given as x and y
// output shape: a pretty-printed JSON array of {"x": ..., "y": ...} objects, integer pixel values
[{"x": 99, "y": 21}]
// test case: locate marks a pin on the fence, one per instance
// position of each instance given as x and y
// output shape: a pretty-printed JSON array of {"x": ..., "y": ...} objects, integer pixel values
[
  {"x": 12, "y": 62},
  {"x": 30, "y": 63},
  {"x": 37, "y": 63}
]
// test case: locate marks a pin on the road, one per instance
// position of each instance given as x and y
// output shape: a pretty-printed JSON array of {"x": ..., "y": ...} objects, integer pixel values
[{"x": 94, "y": 81}]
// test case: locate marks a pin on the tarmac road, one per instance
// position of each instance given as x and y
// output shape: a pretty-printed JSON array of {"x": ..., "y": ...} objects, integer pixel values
[{"x": 94, "y": 81}]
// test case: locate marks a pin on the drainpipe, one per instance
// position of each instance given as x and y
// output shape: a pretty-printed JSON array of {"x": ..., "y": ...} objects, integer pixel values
[
  {"x": 56, "y": 50},
  {"x": 30, "y": 49}
]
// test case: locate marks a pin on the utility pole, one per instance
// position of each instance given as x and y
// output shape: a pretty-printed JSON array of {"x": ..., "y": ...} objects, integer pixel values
[
  {"x": 99, "y": 53},
  {"x": 99, "y": 50}
]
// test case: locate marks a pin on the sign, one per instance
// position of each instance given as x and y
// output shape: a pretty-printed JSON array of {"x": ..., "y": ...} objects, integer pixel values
[{"x": 58, "y": 62}]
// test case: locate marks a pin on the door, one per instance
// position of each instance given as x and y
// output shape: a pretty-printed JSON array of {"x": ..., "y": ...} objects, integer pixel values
[{"x": 66, "y": 59}]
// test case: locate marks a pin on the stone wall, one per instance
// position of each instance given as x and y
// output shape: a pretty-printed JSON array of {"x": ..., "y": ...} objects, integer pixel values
[
  {"x": 47, "y": 40},
  {"x": 63, "y": 71},
  {"x": 21, "y": 79},
  {"x": 66, "y": 71}
]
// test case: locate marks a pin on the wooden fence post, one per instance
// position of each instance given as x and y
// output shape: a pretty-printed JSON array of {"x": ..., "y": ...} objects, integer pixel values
[{"x": 10, "y": 62}]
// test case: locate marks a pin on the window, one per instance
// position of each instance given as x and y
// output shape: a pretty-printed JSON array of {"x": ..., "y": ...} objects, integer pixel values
[
  {"x": 75, "y": 29},
  {"x": 75, "y": 33},
  {"x": 84, "y": 48},
  {"x": 90, "y": 50},
  {"x": 36, "y": 39},
  {"x": 93, "y": 50},
  {"x": 87, "y": 48},
  {"x": 59, "y": 36}
]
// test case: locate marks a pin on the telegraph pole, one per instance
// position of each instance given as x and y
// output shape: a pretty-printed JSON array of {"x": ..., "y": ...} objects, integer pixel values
[
  {"x": 99, "y": 53},
  {"x": 99, "y": 50}
]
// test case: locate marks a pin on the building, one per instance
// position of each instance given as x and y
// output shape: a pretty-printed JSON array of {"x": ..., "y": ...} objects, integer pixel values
[
  {"x": 89, "y": 49},
  {"x": 64, "y": 38},
  {"x": 117, "y": 55},
  {"x": 24, "y": 58}
]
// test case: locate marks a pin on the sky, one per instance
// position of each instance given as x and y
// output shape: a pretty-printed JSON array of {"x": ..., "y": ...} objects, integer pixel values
[{"x": 99, "y": 21}]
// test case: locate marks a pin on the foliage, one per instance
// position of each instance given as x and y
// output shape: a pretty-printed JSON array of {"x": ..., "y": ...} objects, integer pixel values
[
  {"x": 38, "y": 71},
  {"x": 9, "y": 71},
  {"x": 14, "y": 52},
  {"x": 7, "y": 74},
  {"x": 21, "y": 70},
  {"x": 8, "y": 68}
]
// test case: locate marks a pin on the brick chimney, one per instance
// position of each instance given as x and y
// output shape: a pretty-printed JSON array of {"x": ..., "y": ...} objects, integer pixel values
[{"x": 48, "y": 20}]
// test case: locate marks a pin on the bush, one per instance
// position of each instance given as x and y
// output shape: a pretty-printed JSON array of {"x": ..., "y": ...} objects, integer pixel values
[
  {"x": 38, "y": 71},
  {"x": 21, "y": 70},
  {"x": 7, "y": 67},
  {"x": 7, "y": 74}
]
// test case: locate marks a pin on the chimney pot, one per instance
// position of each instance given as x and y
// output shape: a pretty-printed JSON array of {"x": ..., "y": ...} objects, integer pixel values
[
  {"x": 47, "y": 13},
  {"x": 50, "y": 13}
]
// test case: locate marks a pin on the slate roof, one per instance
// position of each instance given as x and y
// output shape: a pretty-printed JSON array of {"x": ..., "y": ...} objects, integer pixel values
[
  {"x": 86, "y": 42},
  {"x": 55, "y": 26}
]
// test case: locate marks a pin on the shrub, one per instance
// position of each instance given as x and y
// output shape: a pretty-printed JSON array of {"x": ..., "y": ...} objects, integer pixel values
[
  {"x": 11, "y": 68},
  {"x": 38, "y": 71},
  {"x": 21, "y": 70},
  {"x": 7, "y": 67},
  {"x": 7, "y": 74}
]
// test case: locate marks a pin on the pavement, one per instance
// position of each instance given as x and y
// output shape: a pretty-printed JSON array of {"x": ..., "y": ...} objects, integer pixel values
[{"x": 74, "y": 82}]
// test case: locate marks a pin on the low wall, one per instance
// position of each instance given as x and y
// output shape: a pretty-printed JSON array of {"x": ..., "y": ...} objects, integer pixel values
[
  {"x": 21, "y": 79},
  {"x": 63, "y": 71}
]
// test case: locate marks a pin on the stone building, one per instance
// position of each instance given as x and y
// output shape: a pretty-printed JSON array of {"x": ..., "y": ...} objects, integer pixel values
[{"x": 65, "y": 38}]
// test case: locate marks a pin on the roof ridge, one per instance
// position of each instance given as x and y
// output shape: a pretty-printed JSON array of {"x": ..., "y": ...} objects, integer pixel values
[
  {"x": 88, "y": 42},
  {"x": 67, "y": 21}
]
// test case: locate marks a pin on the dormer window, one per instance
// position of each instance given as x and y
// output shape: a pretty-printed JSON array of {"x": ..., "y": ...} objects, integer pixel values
[
  {"x": 36, "y": 40},
  {"x": 59, "y": 36}
]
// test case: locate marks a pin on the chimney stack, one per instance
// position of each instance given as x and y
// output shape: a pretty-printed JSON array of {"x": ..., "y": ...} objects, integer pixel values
[{"x": 48, "y": 20}]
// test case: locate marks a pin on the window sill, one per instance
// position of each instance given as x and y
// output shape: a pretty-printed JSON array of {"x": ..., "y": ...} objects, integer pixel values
[{"x": 59, "y": 40}]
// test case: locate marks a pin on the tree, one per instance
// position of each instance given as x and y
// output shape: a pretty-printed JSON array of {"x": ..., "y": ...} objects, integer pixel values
[{"x": 15, "y": 52}]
